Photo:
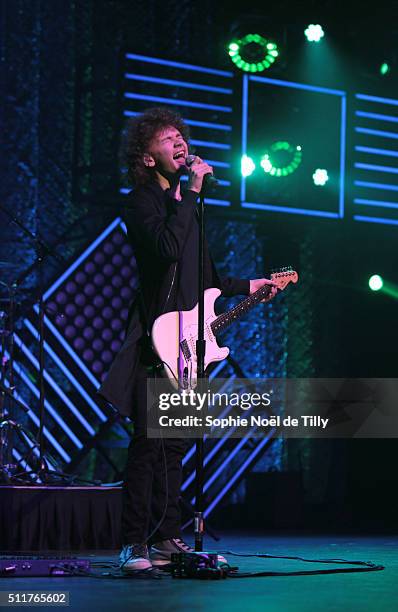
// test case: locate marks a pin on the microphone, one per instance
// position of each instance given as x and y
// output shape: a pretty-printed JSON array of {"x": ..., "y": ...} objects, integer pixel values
[{"x": 209, "y": 180}]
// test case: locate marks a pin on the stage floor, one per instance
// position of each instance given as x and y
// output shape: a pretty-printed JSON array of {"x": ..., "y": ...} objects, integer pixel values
[{"x": 368, "y": 591}]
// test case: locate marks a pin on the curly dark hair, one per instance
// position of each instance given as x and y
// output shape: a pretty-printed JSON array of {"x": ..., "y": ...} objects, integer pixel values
[{"x": 139, "y": 132}]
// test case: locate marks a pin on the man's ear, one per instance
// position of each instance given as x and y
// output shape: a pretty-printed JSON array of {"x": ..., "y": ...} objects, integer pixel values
[{"x": 148, "y": 160}]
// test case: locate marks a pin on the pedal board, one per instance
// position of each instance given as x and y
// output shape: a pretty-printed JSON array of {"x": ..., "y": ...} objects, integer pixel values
[
  {"x": 197, "y": 565},
  {"x": 37, "y": 565}
]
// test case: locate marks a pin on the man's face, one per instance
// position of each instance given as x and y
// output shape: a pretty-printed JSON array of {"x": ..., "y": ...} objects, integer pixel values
[{"x": 167, "y": 152}]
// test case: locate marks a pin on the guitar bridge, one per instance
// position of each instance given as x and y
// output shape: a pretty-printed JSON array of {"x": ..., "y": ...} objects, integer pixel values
[{"x": 185, "y": 350}]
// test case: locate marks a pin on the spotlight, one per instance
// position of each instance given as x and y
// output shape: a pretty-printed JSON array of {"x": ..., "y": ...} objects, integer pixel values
[
  {"x": 320, "y": 177},
  {"x": 282, "y": 159},
  {"x": 314, "y": 32},
  {"x": 252, "y": 53},
  {"x": 247, "y": 165},
  {"x": 266, "y": 163},
  {"x": 384, "y": 69},
  {"x": 375, "y": 282}
]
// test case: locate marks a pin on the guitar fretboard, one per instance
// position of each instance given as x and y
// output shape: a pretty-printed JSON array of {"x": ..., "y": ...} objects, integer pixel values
[{"x": 240, "y": 309}]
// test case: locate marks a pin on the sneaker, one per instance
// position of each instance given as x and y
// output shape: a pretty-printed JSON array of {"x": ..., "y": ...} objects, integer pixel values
[
  {"x": 161, "y": 552},
  {"x": 134, "y": 558}
]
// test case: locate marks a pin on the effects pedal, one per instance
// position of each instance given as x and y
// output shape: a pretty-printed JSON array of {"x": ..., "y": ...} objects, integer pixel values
[
  {"x": 201, "y": 565},
  {"x": 35, "y": 565}
]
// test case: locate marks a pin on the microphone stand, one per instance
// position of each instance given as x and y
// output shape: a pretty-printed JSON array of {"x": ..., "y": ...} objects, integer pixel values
[{"x": 200, "y": 356}]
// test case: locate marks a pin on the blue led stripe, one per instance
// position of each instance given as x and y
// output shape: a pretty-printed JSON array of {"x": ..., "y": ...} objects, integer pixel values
[
  {"x": 390, "y": 118},
  {"x": 376, "y": 132},
  {"x": 184, "y": 66},
  {"x": 218, "y": 368},
  {"x": 215, "y": 202},
  {"x": 218, "y": 164},
  {"x": 37, "y": 453},
  {"x": 72, "y": 353},
  {"x": 227, "y": 460},
  {"x": 387, "y": 152},
  {"x": 376, "y": 220},
  {"x": 376, "y": 203},
  {"x": 173, "y": 82},
  {"x": 23, "y": 463},
  {"x": 245, "y": 102},
  {"x": 377, "y": 168},
  {"x": 51, "y": 410},
  {"x": 377, "y": 99},
  {"x": 32, "y": 446},
  {"x": 205, "y": 124},
  {"x": 78, "y": 261},
  {"x": 208, "y": 124},
  {"x": 55, "y": 386},
  {"x": 211, "y": 145},
  {"x": 376, "y": 185},
  {"x": 342, "y": 154},
  {"x": 67, "y": 373},
  {"x": 34, "y": 418},
  {"x": 188, "y": 455},
  {"x": 160, "y": 100},
  {"x": 325, "y": 90},
  {"x": 210, "y": 455},
  {"x": 36, "y": 421},
  {"x": 301, "y": 211},
  {"x": 237, "y": 474}
]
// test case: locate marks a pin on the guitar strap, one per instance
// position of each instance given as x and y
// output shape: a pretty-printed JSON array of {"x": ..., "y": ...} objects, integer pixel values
[{"x": 148, "y": 356}]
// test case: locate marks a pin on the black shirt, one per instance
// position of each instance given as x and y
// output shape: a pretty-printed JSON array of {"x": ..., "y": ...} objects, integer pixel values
[{"x": 164, "y": 234}]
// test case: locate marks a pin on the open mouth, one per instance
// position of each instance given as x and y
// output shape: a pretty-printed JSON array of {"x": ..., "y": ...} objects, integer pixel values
[{"x": 179, "y": 155}]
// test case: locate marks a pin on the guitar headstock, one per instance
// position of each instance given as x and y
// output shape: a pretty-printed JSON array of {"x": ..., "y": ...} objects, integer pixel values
[{"x": 284, "y": 276}]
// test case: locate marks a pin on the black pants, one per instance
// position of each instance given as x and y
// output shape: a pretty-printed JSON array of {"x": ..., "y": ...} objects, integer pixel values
[{"x": 152, "y": 478}]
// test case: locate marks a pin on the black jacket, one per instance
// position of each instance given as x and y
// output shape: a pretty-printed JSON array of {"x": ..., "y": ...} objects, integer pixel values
[{"x": 164, "y": 234}]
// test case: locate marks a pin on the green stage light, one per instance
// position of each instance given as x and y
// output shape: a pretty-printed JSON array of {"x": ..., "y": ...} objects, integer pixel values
[
  {"x": 314, "y": 32},
  {"x": 384, "y": 68},
  {"x": 375, "y": 282},
  {"x": 247, "y": 165},
  {"x": 282, "y": 159},
  {"x": 320, "y": 177},
  {"x": 252, "y": 53}
]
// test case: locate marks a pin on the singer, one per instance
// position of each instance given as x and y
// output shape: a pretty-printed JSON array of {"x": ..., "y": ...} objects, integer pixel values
[{"x": 163, "y": 229}]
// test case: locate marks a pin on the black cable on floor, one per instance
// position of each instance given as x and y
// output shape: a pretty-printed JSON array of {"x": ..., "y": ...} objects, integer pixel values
[{"x": 360, "y": 566}]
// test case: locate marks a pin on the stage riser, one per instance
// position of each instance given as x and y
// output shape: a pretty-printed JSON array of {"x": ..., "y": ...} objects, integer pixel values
[{"x": 38, "y": 519}]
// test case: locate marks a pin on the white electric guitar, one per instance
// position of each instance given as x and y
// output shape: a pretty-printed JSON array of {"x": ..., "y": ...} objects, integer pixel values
[{"x": 174, "y": 334}]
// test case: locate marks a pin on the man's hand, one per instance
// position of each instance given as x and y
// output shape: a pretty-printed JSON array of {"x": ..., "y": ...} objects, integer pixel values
[
  {"x": 196, "y": 171},
  {"x": 257, "y": 283}
]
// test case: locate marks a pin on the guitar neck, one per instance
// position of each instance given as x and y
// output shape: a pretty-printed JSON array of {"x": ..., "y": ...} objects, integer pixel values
[{"x": 225, "y": 319}]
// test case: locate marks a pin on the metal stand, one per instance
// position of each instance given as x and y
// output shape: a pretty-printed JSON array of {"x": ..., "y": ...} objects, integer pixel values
[
  {"x": 200, "y": 356},
  {"x": 43, "y": 474},
  {"x": 8, "y": 468}
]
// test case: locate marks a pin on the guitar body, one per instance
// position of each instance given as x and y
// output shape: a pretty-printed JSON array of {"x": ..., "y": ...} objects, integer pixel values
[{"x": 174, "y": 336}]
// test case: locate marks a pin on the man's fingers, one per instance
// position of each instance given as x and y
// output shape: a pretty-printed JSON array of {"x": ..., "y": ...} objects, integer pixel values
[
  {"x": 199, "y": 164},
  {"x": 201, "y": 169}
]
